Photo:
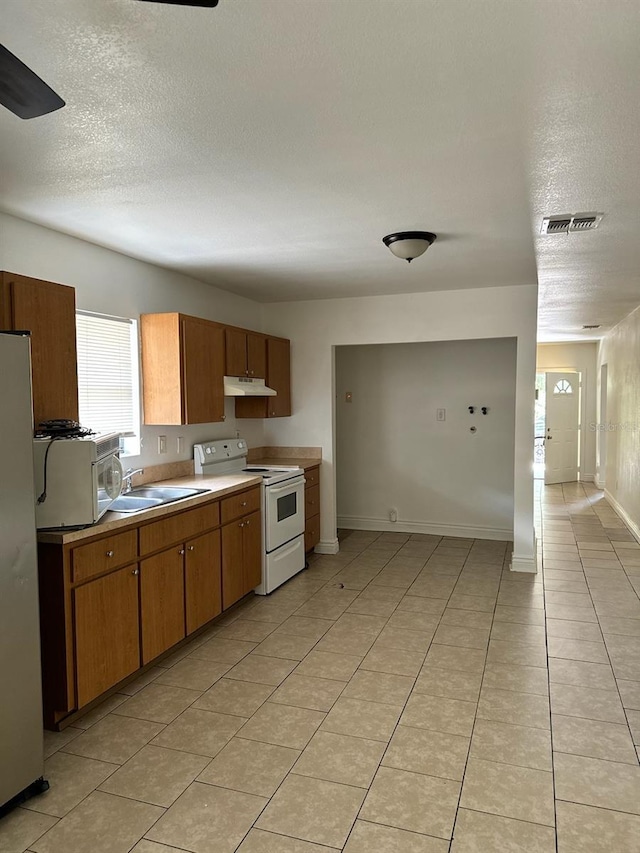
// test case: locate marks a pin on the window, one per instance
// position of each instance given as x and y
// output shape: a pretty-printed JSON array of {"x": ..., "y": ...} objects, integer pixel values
[
  {"x": 108, "y": 381},
  {"x": 563, "y": 387}
]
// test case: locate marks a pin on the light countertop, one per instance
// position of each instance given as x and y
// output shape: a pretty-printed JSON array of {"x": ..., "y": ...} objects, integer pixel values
[{"x": 219, "y": 487}]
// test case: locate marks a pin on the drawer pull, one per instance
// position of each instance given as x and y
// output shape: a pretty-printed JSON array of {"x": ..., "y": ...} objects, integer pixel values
[
  {"x": 109, "y": 553},
  {"x": 244, "y": 503},
  {"x": 241, "y": 524},
  {"x": 191, "y": 547},
  {"x": 135, "y": 572}
]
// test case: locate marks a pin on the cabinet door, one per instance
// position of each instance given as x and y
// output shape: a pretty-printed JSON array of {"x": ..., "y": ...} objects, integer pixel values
[
  {"x": 252, "y": 553},
  {"x": 106, "y": 632},
  {"x": 233, "y": 576},
  {"x": 278, "y": 377},
  {"x": 48, "y": 311},
  {"x": 236, "y": 352},
  {"x": 162, "y": 602},
  {"x": 257, "y": 355},
  {"x": 202, "y": 377},
  {"x": 202, "y": 580}
]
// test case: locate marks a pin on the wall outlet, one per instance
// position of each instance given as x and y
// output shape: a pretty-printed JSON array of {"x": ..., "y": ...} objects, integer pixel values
[
  {"x": 180, "y": 444},
  {"x": 162, "y": 444},
  {"x": 441, "y": 414},
  {"x": 393, "y": 515}
]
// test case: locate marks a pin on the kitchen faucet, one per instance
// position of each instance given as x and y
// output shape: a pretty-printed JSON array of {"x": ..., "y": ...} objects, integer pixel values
[{"x": 127, "y": 477}]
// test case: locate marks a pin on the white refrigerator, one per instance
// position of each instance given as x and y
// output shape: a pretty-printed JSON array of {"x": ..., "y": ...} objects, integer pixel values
[{"x": 21, "y": 736}]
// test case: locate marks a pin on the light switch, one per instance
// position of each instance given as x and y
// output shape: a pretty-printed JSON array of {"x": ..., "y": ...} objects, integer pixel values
[
  {"x": 441, "y": 414},
  {"x": 162, "y": 444}
]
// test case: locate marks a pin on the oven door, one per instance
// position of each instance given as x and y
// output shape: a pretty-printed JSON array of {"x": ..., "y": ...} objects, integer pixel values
[
  {"x": 107, "y": 483},
  {"x": 283, "y": 512}
]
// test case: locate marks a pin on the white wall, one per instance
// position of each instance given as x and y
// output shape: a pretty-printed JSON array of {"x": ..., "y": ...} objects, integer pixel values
[
  {"x": 582, "y": 357},
  {"x": 620, "y": 351},
  {"x": 316, "y": 327},
  {"x": 110, "y": 283},
  {"x": 392, "y": 452}
]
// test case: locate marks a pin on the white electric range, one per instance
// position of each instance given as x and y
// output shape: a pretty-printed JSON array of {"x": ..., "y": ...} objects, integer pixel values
[{"x": 283, "y": 553}]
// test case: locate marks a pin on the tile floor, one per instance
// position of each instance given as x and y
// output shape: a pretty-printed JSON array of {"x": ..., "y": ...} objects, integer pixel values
[{"x": 407, "y": 695}]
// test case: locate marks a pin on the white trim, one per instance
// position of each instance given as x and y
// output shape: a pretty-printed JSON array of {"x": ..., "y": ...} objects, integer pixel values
[
  {"x": 633, "y": 527},
  {"x": 386, "y": 526},
  {"x": 600, "y": 483},
  {"x": 327, "y": 546},
  {"x": 524, "y": 564}
]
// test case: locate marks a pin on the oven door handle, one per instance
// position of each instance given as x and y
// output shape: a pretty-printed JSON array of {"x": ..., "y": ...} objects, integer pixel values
[{"x": 274, "y": 490}]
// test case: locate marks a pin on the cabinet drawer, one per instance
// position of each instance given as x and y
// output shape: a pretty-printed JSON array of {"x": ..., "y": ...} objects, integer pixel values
[
  {"x": 109, "y": 553},
  {"x": 311, "y": 501},
  {"x": 312, "y": 476},
  {"x": 311, "y": 532},
  {"x": 241, "y": 504},
  {"x": 176, "y": 528}
]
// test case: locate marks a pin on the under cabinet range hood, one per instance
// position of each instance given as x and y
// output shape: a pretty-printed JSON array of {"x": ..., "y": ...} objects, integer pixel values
[{"x": 244, "y": 386}]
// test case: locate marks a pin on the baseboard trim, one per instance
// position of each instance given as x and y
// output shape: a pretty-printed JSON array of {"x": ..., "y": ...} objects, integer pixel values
[
  {"x": 633, "y": 527},
  {"x": 356, "y": 523},
  {"x": 524, "y": 564},
  {"x": 327, "y": 546},
  {"x": 587, "y": 478}
]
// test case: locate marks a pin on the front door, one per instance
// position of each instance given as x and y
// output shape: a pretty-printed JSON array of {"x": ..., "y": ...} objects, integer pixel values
[{"x": 562, "y": 428}]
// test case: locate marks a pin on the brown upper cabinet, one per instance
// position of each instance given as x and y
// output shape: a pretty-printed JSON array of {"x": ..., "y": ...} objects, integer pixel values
[
  {"x": 182, "y": 368},
  {"x": 279, "y": 378},
  {"x": 48, "y": 311},
  {"x": 246, "y": 353}
]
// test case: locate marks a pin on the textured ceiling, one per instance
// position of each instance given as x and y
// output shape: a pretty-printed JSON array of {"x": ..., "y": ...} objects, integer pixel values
[{"x": 266, "y": 146}]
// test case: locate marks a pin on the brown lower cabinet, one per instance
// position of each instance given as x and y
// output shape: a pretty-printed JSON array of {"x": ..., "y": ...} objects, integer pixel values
[
  {"x": 241, "y": 558},
  {"x": 162, "y": 602},
  {"x": 202, "y": 578},
  {"x": 106, "y": 626},
  {"x": 311, "y": 508},
  {"x": 110, "y": 604}
]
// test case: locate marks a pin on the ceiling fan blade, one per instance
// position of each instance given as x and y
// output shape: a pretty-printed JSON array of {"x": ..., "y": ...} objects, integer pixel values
[
  {"x": 22, "y": 91},
  {"x": 208, "y": 4}
]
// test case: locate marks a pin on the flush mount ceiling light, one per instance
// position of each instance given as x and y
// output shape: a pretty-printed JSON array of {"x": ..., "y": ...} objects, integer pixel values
[{"x": 409, "y": 244}]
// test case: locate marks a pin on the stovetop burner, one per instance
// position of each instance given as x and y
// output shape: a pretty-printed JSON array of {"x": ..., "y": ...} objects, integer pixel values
[{"x": 256, "y": 470}]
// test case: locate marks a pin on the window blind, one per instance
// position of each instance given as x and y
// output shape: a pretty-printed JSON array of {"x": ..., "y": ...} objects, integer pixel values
[{"x": 106, "y": 387}]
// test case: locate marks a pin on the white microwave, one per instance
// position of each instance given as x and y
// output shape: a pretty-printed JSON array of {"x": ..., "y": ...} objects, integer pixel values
[{"x": 76, "y": 479}]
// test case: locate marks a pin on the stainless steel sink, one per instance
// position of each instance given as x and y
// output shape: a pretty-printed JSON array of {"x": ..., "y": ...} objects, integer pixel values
[
  {"x": 147, "y": 497},
  {"x": 131, "y": 503},
  {"x": 165, "y": 493}
]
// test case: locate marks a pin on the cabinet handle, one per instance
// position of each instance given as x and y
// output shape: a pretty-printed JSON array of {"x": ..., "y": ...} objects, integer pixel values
[
  {"x": 109, "y": 553},
  {"x": 241, "y": 524},
  {"x": 191, "y": 547},
  {"x": 224, "y": 417},
  {"x": 135, "y": 572},
  {"x": 244, "y": 503},
  {"x": 181, "y": 551},
  {"x": 252, "y": 372},
  {"x": 273, "y": 414},
  {"x": 247, "y": 523}
]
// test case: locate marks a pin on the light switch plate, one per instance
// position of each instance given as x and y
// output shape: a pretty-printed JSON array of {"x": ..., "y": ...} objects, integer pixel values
[{"x": 441, "y": 414}]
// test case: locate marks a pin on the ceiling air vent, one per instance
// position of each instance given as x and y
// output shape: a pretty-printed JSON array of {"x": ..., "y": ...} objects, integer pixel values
[
  {"x": 566, "y": 222},
  {"x": 593, "y": 326}
]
